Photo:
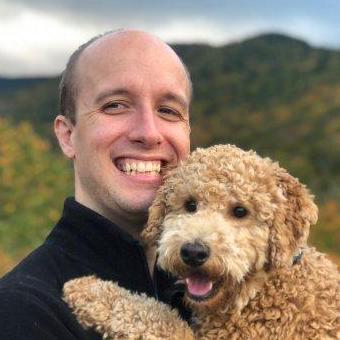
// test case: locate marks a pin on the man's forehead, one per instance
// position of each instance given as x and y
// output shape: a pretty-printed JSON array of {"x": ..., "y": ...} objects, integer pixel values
[{"x": 123, "y": 51}]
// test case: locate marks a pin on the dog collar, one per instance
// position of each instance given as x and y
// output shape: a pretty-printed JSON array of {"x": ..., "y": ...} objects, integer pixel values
[{"x": 297, "y": 257}]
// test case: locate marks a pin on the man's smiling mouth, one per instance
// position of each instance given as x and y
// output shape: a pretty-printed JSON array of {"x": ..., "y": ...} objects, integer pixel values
[{"x": 137, "y": 166}]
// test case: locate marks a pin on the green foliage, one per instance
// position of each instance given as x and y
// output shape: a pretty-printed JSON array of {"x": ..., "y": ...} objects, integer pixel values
[{"x": 33, "y": 184}]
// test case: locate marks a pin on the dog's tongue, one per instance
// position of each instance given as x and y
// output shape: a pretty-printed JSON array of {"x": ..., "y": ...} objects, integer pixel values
[{"x": 198, "y": 285}]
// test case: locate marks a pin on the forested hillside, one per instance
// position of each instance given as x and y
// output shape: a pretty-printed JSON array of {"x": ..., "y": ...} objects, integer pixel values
[{"x": 271, "y": 93}]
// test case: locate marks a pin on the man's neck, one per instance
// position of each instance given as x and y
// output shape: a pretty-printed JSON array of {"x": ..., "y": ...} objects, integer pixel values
[{"x": 131, "y": 223}]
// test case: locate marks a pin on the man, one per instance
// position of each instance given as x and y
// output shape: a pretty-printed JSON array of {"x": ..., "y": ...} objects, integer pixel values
[{"x": 124, "y": 119}]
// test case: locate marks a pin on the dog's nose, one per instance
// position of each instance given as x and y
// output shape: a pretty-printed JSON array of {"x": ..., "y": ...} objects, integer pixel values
[{"x": 194, "y": 254}]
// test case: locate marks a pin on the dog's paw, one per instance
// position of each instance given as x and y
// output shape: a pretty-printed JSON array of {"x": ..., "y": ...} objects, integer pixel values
[
  {"x": 116, "y": 313},
  {"x": 90, "y": 300}
]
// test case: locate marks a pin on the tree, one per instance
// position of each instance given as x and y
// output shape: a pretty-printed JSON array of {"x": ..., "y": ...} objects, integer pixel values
[{"x": 33, "y": 184}]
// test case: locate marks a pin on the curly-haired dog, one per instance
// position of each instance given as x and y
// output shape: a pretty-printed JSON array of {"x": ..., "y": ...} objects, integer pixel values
[{"x": 233, "y": 226}]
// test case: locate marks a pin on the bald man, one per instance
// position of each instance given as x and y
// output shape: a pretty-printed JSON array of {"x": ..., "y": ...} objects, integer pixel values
[{"x": 124, "y": 118}]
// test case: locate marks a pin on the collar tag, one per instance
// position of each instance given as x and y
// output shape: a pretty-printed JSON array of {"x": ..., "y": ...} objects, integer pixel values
[{"x": 297, "y": 257}]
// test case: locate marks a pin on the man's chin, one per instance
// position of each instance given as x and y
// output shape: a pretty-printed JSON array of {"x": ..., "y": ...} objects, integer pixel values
[{"x": 135, "y": 206}]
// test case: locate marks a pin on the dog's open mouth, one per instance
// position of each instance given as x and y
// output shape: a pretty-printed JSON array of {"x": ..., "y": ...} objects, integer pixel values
[{"x": 200, "y": 287}]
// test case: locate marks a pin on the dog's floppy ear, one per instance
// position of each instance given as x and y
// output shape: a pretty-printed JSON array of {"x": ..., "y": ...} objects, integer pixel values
[
  {"x": 157, "y": 211},
  {"x": 296, "y": 213}
]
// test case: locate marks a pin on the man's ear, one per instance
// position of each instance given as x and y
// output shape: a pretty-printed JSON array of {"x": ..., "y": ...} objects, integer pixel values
[{"x": 63, "y": 129}]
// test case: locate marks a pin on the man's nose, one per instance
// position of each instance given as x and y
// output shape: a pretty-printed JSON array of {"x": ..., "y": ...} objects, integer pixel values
[{"x": 145, "y": 129}]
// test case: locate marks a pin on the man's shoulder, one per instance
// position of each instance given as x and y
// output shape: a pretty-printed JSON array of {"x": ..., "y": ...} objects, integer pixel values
[
  {"x": 30, "y": 308},
  {"x": 25, "y": 295},
  {"x": 29, "y": 311},
  {"x": 19, "y": 292},
  {"x": 47, "y": 267},
  {"x": 36, "y": 268},
  {"x": 21, "y": 284}
]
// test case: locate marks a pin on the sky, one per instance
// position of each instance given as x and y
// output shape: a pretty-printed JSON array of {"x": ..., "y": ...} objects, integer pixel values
[{"x": 38, "y": 36}]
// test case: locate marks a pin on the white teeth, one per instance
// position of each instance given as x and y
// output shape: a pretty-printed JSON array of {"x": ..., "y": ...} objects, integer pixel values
[
  {"x": 133, "y": 167},
  {"x": 140, "y": 167}
]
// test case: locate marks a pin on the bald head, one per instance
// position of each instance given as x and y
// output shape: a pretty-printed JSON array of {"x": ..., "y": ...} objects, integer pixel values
[{"x": 122, "y": 44}]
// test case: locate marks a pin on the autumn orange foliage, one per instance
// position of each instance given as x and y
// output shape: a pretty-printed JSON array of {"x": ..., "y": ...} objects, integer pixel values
[{"x": 6, "y": 263}]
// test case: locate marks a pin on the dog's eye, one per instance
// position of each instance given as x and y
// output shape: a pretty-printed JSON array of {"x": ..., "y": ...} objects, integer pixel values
[
  {"x": 190, "y": 205},
  {"x": 240, "y": 212}
]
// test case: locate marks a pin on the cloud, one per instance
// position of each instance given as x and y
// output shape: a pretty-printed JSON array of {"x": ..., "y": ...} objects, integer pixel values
[
  {"x": 39, "y": 35},
  {"x": 38, "y": 44},
  {"x": 150, "y": 13}
]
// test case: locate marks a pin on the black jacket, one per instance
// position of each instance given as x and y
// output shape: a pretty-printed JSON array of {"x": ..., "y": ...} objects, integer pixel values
[{"x": 82, "y": 243}]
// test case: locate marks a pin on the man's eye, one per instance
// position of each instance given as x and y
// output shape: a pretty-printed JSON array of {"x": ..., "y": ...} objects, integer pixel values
[
  {"x": 170, "y": 114},
  {"x": 113, "y": 107}
]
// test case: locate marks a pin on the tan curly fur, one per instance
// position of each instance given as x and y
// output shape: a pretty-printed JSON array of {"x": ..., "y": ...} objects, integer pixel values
[
  {"x": 116, "y": 313},
  {"x": 258, "y": 291}
]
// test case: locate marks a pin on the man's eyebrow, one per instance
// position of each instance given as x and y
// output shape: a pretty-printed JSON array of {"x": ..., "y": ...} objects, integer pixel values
[
  {"x": 111, "y": 92},
  {"x": 176, "y": 98}
]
